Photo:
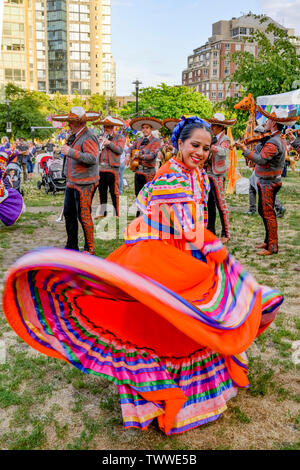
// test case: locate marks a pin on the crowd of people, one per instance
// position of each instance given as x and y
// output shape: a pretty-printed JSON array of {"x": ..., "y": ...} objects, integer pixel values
[{"x": 169, "y": 315}]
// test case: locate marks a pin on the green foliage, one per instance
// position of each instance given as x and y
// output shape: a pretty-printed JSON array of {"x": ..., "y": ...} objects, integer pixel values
[
  {"x": 30, "y": 108},
  {"x": 275, "y": 70},
  {"x": 166, "y": 101},
  {"x": 25, "y": 111}
]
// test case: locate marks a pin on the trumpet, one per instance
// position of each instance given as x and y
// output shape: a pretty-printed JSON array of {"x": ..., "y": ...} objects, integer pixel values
[{"x": 104, "y": 137}]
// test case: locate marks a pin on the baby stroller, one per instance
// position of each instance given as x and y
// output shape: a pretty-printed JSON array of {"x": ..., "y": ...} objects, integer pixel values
[
  {"x": 13, "y": 170},
  {"x": 52, "y": 177}
]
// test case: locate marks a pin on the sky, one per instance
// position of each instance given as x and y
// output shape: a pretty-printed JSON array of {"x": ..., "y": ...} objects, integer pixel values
[{"x": 151, "y": 39}]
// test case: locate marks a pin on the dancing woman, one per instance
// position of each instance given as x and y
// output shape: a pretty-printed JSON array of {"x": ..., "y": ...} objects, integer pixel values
[{"x": 167, "y": 317}]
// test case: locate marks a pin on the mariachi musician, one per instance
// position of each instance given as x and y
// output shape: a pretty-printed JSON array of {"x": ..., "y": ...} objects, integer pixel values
[
  {"x": 217, "y": 167},
  {"x": 167, "y": 150},
  {"x": 269, "y": 164},
  {"x": 111, "y": 148},
  {"x": 144, "y": 151},
  {"x": 80, "y": 167}
]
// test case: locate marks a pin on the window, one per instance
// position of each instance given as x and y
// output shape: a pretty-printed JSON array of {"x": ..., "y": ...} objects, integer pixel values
[
  {"x": 75, "y": 75},
  {"x": 74, "y": 27},
  {"x": 105, "y": 19},
  {"x": 85, "y": 55},
  {"x": 84, "y": 28},
  {"x": 84, "y": 17},
  {"x": 243, "y": 30},
  {"x": 220, "y": 95},
  {"x": 14, "y": 75},
  {"x": 85, "y": 66},
  {"x": 84, "y": 9},
  {"x": 40, "y": 54},
  {"x": 74, "y": 7},
  {"x": 42, "y": 86},
  {"x": 227, "y": 45},
  {"x": 85, "y": 47},
  {"x": 226, "y": 71},
  {"x": 74, "y": 16},
  {"x": 12, "y": 29},
  {"x": 84, "y": 37},
  {"x": 106, "y": 39},
  {"x": 10, "y": 44},
  {"x": 41, "y": 65},
  {"x": 40, "y": 35},
  {"x": 74, "y": 55},
  {"x": 74, "y": 36},
  {"x": 41, "y": 74},
  {"x": 238, "y": 47},
  {"x": 40, "y": 26}
]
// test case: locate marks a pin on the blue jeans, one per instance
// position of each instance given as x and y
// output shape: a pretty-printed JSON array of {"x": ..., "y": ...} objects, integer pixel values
[
  {"x": 29, "y": 166},
  {"x": 122, "y": 168}
]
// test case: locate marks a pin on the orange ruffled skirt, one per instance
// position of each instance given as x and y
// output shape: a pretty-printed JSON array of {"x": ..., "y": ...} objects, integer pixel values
[{"x": 167, "y": 328}]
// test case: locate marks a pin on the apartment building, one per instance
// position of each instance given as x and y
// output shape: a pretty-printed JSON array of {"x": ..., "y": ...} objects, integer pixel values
[
  {"x": 58, "y": 46},
  {"x": 209, "y": 68}
]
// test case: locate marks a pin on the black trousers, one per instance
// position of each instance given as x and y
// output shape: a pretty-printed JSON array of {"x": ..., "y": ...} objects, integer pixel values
[
  {"x": 216, "y": 200},
  {"x": 78, "y": 206},
  {"x": 109, "y": 180},
  {"x": 139, "y": 182}
]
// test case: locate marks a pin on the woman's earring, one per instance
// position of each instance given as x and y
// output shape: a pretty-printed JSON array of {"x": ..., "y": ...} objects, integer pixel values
[{"x": 179, "y": 155}]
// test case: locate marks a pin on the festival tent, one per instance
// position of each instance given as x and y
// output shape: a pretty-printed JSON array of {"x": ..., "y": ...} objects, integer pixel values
[{"x": 289, "y": 100}]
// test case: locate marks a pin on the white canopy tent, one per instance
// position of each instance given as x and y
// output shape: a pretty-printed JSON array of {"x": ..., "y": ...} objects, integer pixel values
[
  {"x": 282, "y": 99},
  {"x": 290, "y": 100}
]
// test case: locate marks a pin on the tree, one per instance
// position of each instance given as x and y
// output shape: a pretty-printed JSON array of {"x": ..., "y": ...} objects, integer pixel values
[
  {"x": 25, "y": 112},
  {"x": 166, "y": 101},
  {"x": 275, "y": 70}
]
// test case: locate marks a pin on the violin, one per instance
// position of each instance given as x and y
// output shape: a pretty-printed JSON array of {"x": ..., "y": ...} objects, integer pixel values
[
  {"x": 297, "y": 131},
  {"x": 253, "y": 140}
]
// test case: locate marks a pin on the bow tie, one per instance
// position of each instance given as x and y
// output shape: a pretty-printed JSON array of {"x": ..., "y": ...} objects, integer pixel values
[
  {"x": 71, "y": 139},
  {"x": 145, "y": 141}
]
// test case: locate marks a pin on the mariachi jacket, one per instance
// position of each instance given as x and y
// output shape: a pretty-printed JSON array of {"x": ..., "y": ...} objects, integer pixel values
[
  {"x": 218, "y": 162},
  {"x": 149, "y": 153},
  {"x": 81, "y": 165},
  {"x": 110, "y": 155},
  {"x": 270, "y": 160}
]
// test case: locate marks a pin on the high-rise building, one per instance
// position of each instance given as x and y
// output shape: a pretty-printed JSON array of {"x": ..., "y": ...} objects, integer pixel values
[
  {"x": 58, "y": 46},
  {"x": 209, "y": 68}
]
